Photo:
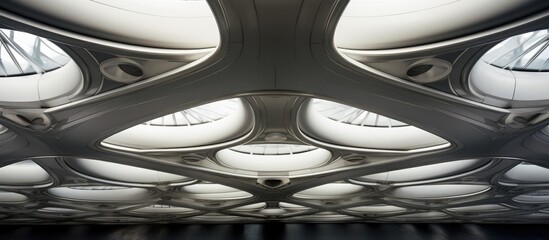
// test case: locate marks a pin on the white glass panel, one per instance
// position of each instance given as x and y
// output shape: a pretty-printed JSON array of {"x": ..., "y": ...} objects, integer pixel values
[
  {"x": 377, "y": 209},
  {"x": 216, "y": 217},
  {"x": 273, "y": 157},
  {"x": 420, "y": 216},
  {"x": 163, "y": 209},
  {"x": 479, "y": 208},
  {"x": 527, "y": 173},
  {"x": 11, "y": 197},
  {"x": 292, "y": 207},
  {"x": 123, "y": 173},
  {"x": 60, "y": 210},
  {"x": 320, "y": 119},
  {"x": 202, "y": 125},
  {"x": 324, "y": 216},
  {"x": 24, "y": 53},
  {"x": 251, "y": 207},
  {"x": 272, "y": 211},
  {"x": 163, "y": 23},
  {"x": 24, "y": 173},
  {"x": 439, "y": 191},
  {"x": 380, "y": 24},
  {"x": 116, "y": 219},
  {"x": 101, "y": 193},
  {"x": 330, "y": 191},
  {"x": 533, "y": 197},
  {"x": 431, "y": 171},
  {"x": 210, "y": 191}
]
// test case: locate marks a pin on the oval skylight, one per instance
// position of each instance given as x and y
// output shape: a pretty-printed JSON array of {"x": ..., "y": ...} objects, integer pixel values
[
  {"x": 273, "y": 157},
  {"x": 58, "y": 210},
  {"x": 138, "y": 22},
  {"x": 101, "y": 193},
  {"x": 526, "y": 173},
  {"x": 377, "y": 209},
  {"x": 214, "y": 192},
  {"x": 419, "y": 216},
  {"x": 163, "y": 209},
  {"x": 403, "y": 23},
  {"x": 541, "y": 196},
  {"x": 24, "y": 173},
  {"x": 215, "y": 217},
  {"x": 292, "y": 207},
  {"x": 432, "y": 171},
  {"x": 34, "y": 72},
  {"x": 116, "y": 219},
  {"x": 514, "y": 72},
  {"x": 479, "y": 208},
  {"x": 439, "y": 191},
  {"x": 324, "y": 216},
  {"x": 12, "y": 198},
  {"x": 123, "y": 173},
  {"x": 344, "y": 125},
  {"x": 251, "y": 207},
  {"x": 330, "y": 191},
  {"x": 203, "y": 125}
]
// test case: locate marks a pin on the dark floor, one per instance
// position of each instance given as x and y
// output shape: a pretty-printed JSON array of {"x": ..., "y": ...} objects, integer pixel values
[{"x": 278, "y": 231}]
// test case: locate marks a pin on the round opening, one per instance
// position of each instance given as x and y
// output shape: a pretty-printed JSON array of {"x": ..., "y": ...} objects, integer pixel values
[
  {"x": 131, "y": 69},
  {"x": 418, "y": 70},
  {"x": 272, "y": 182},
  {"x": 122, "y": 70},
  {"x": 428, "y": 70}
]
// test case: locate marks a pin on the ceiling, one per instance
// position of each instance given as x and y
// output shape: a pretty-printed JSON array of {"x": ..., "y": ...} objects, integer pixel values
[{"x": 259, "y": 110}]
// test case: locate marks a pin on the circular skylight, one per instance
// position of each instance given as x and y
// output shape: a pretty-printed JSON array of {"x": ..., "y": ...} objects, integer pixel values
[
  {"x": 199, "y": 126},
  {"x": 123, "y": 173},
  {"x": 24, "y": 173},
  {"x": 525, "y": 52},
  {"x": 432, "y": 172},
  {"x": 348, "y": 126},
  {"x": 330, "y": 191},
  {"x": 34, "y": 72},
  {"x": 514, "y": 72},
  {"x": 273, "y": 157},
  {"x": 439, "y": 191},
  {"x": 214, "y": 192},
  {"x": 23, "y": 53},
  {"x": 101, "y": 193}
]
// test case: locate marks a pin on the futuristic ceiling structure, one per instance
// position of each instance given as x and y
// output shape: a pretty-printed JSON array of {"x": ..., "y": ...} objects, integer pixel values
[{"x": 192, "y": 111}]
